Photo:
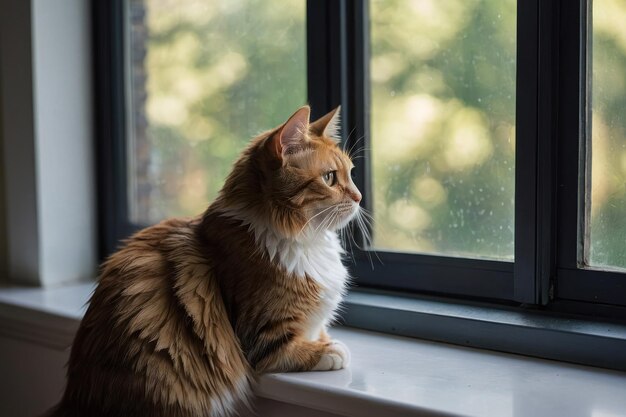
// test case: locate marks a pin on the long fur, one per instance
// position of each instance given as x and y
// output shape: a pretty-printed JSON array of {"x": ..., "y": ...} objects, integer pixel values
[{"x": 190, "y": 310}]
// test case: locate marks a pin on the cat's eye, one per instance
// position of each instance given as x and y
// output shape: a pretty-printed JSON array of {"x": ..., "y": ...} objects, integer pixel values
[
  {"x": 352, "y": 173},
  {"x": 330, "y": 178}
]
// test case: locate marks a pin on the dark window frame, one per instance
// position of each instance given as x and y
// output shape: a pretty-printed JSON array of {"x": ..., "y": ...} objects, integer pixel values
[
  {"x": 110, "y": 120},
  {"x": 551, "y": 158},
  {"x": 577, "y": 282},
  {"x": 550, "y": 107}
]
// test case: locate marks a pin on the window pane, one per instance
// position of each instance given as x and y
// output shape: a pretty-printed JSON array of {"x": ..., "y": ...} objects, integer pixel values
[
  {"x": 443, "y": 126},
  {"x": 204, "y": 77},
  {"x": 607, "y": 228}
]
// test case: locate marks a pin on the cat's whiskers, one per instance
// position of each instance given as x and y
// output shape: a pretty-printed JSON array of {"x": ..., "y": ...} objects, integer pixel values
[
  {"x": 363, "y": 221},
  {"x": 343, "y": 148},
  {"x": 365, "y": 225},
  {"x": 308, "y": 221},
  {"x": 344, "y": 234},
  {"x": 338, "y": 214},
  {"x": 366, "y": 220},
  {"x": 326, "y": 222},
  {"x": 357, "y": 153},
  {"x": 356, "y": 142}
]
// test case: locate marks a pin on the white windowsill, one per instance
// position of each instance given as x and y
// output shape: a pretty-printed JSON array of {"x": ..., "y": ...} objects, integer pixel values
[{"x": 388, "y": 376}]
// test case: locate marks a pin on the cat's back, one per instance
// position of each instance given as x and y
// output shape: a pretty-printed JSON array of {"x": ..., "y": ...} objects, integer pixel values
[
  {"x": 152, "y": 248},
  {"x": 142, "y": 272},
  {"x": 144, "y": 336},
  {"x": 143, "y": 289}
]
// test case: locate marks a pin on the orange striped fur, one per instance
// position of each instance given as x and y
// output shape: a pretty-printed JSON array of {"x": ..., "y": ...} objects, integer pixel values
[{"x": 188, "y": 311}]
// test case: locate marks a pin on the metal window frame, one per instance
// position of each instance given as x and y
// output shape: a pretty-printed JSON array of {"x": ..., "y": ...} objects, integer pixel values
[
  {"x": 576, "y": 282},
  {"x": 110, "y": 119}
]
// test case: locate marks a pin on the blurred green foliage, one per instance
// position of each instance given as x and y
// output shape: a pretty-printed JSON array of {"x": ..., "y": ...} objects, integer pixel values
[
  {"x": 607, "y": 228},
  {"x": 443, "y": 113},
  {"x": 218, "y": 73},
  {"x": 443, "y": 117}
]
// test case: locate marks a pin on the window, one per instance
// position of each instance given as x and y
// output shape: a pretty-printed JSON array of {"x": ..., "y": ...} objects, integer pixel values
[
  {"x": 202, "y": 78},
  {"x": 591, "y": 216},
  {"x": 488, "y": 133},
  {"x": 443, "y": 127},
  {"x": 606, "y": 141}
]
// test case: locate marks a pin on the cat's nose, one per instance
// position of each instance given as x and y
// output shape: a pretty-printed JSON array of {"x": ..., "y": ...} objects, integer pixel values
[{"x": 355, "y": 195}]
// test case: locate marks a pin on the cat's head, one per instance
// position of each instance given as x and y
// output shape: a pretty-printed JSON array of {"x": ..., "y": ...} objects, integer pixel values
[{"x": 296, "y": 178}]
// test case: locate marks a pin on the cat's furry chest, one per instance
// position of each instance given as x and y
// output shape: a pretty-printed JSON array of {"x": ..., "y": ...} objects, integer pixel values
[
  {"x": 320, "y": 260},
  {"x": 315, "y": 257}
]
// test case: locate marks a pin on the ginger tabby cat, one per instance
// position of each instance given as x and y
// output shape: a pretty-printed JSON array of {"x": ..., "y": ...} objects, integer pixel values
[{"x": 188, "y": 311}]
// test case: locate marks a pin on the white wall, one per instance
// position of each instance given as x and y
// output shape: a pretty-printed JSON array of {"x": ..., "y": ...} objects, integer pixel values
[
  {"x": 47, "y": 139},
  {"x": 32, "y": 377},
  {"x": 16, "y": 110},
  {"x": 64, "y": 134}
]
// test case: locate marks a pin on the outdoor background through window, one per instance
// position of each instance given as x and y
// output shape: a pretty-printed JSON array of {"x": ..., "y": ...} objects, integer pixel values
[
  {"x": 443, "y": 126},
  {"x": 607, "y": 226},
  {"x": 203, "y": 78}
]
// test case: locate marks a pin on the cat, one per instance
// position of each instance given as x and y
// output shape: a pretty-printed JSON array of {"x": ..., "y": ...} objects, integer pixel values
[{"x": 189, "y": 311}]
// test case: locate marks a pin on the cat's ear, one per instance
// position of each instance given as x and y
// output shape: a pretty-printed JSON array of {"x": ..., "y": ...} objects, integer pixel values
[
  {"x": 292, "y": 136},
  {"x": 328, "y": 125}
]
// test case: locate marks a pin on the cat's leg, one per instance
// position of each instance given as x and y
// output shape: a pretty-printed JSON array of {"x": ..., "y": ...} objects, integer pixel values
[
  {"x": 337, "y": 357},
  {"x": 325, "y": 338},
  {"x": 300, "y": 354}
]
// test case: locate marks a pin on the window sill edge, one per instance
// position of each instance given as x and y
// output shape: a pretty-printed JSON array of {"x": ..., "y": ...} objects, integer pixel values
[{"x": 533, "y": 333}]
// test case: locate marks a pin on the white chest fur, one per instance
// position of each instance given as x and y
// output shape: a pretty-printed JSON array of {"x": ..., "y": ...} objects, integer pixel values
[{"x": 318, "y": 258}]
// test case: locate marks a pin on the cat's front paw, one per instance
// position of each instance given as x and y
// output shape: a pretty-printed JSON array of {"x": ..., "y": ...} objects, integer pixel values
[{"x": 337, "y": 356}]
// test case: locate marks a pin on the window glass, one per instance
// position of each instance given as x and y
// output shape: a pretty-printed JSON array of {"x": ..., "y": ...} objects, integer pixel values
[
  {"x": 203, "y": 78},
  {"x": 443, "y": 126},
  {"x": 606, "y": 245}
]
